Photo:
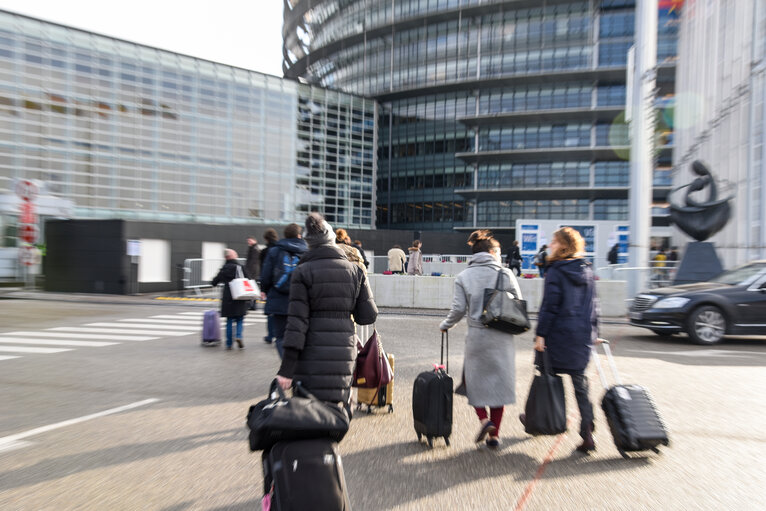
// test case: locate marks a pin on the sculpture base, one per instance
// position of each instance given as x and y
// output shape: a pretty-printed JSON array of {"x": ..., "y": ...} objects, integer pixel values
[{"x": 700, "y": 263}]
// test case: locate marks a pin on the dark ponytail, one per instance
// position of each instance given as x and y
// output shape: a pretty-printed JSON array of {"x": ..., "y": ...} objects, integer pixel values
[{"x": 482, "y": 241}]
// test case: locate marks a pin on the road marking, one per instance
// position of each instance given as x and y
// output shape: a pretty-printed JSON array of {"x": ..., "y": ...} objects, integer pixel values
[
  {"x": 540, "y": 470},
  {"x": 26, "y": 349},
  {"x": 13, "y": 441},
  {"x": 7, "y": 357},
  {"x": 114, "y": 331},
  {"x": 64, "y": 335},
  {"x": 147, "y": 326},
  {"x": 167, "y": 322},
  {"x": 702, "y": 353},
  {"x": 52, "y": 342},
  {"x": 176, "y": 317}
]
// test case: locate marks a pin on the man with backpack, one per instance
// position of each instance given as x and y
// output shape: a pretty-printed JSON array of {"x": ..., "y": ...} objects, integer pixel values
[{"x": 276, "y": 274}]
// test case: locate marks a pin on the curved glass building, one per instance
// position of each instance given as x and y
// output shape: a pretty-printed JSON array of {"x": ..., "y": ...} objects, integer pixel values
[{"x": 490, "y": 110}]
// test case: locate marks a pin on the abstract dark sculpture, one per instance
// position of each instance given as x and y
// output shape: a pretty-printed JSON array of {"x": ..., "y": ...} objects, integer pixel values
[{"x": 700, "y": 220}]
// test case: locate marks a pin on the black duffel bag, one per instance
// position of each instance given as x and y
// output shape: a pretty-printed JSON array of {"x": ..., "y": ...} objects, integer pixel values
[
  {"x": 300, "y": 417},
  {"x": 546, "y": 407}
]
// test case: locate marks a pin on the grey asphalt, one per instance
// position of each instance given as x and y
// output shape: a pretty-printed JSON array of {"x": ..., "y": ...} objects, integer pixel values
[{"x": 188, "y": 450}]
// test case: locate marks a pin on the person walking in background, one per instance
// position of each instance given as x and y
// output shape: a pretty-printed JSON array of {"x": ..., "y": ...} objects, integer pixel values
[
  {"x": 540, "y": 260},
  {"x": 320, "y": 344},
  {"x": 613, "y": 256},
  {"x": 514, "y": 258},
  {"x": 415, "y": 263},
  {"x": 233, "y": 310},
  {"x": 278, "y": 270},
  {"x": 358, "y": 245},
  {"x": 567, "y": 324},
  {"x": 271, "y": 237},
  {"x": 489, "y": 370},
  {"x": 396, "y": 259},
  {"x": 343, "y": 241},
  {"x": 253, "y": 263}
]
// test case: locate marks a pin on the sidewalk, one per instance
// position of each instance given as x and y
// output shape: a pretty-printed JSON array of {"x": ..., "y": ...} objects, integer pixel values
[{"x": 206, "y": 301}]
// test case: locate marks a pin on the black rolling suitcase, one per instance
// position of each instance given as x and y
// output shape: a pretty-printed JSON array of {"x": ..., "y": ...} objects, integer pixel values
[
  {"x": 630, "y": 411},
  {"x": 304, "y": 474},
  {"x": 432, "y": 401}
]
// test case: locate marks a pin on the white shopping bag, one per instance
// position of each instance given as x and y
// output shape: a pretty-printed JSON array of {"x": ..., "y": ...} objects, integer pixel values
[{"x": 242, "y": 288}]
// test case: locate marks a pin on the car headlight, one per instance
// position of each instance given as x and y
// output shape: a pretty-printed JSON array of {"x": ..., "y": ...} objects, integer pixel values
[{"x": 674, "y": 302}]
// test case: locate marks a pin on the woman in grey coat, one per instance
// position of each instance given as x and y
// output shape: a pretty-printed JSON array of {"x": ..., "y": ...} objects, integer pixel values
[{"x": 489, "y": 367}]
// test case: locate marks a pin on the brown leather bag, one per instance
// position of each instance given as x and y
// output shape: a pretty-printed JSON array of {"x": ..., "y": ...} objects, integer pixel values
[{"x": 372, "y": 368}]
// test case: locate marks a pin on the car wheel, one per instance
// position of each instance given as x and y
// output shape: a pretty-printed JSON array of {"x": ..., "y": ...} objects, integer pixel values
[{"x": 707, "y": 325}]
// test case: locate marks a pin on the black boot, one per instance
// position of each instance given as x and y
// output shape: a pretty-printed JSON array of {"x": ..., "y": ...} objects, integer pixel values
[{"x": 588, "y": 444}]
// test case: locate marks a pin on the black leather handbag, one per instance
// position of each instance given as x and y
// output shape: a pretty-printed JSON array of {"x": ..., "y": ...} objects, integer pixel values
[
  {"x": 545, "y": 410},
  {"x": 300, "y": 417},
  {"x": 503, "y": 311}
]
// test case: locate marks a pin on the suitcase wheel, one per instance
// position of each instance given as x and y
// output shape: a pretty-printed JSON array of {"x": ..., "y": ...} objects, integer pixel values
[
  {"x": 390, "y": 408},
  {"x": 369, "y": 409},
  {"x": 623, "y": 454},
  {"x": 655, "y": 450},
  {"x": 446, "y": 440},
  {"x": 430, "y": 442},
  {"x": 420, "y": 437},
  {"x": 358, "y": 406}
]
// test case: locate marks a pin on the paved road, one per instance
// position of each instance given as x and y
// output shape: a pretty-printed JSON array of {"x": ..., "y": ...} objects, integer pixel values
[{"x": 68, "y": 442}]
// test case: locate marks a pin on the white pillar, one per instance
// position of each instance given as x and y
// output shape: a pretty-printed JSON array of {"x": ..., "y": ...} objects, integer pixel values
[{"x": 642, "y": 136}]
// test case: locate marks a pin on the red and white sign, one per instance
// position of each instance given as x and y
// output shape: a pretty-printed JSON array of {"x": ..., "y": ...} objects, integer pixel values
[
  {"x": 28, "y": 215},
  {"x": 29, "y": 255},
  {"x": 29, "y": 233},
  {"x": 27, "y": 190}
]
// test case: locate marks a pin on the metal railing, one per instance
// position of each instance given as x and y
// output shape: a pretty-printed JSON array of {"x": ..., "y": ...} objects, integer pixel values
[
  {"x": 443, "y": 264},
  {"x": 658, "y": 273},
  {"x": 199, "y": 272}
]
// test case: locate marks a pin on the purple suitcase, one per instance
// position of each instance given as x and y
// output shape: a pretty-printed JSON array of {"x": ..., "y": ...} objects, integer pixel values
[{"x": 211, "y": 328}]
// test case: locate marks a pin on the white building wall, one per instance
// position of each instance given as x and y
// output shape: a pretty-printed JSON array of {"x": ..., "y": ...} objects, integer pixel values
[{"x": 719, "y": 115}]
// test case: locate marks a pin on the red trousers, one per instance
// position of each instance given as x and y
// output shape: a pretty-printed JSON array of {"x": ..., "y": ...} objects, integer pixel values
[{"x": 495, "y": 415}]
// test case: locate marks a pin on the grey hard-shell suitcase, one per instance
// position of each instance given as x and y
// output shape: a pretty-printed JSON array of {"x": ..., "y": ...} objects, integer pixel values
[{"x": 632, "y": 416}]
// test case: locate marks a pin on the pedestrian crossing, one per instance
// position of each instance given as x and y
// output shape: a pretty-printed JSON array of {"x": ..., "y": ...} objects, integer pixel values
[{"x": 100, "y": 334}]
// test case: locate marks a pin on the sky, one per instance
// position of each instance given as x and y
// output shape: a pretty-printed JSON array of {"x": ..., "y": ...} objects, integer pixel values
[{"x": 243, "y": 33}]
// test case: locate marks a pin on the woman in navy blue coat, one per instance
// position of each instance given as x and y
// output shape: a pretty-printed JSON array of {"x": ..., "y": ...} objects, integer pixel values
[{"x": 567, "y": 324}]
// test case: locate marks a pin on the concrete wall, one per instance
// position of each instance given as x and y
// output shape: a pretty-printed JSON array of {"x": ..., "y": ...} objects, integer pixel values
[{"x": 436, "y": 293}]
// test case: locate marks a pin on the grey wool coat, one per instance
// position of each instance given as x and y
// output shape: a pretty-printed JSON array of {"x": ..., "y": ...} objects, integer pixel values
[{"x": 489, "y": 367}]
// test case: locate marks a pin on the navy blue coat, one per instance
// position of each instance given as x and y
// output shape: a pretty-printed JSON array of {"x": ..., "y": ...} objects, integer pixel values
[
  {"x": 568, "y": 317},
  {"x": 277, "y": 302}
]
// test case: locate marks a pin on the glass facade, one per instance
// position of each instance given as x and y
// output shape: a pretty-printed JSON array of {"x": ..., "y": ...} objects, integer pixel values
[
  {"x": 129, "y": 131},
  {"x": 490, "y": 110},
  {"x": 721, "y": 112}
]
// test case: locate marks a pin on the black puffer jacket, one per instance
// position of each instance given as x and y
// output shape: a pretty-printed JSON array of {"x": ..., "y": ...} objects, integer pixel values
[
  {"x": 228, "y": 272},
  {"x": 320, "y": 345}
]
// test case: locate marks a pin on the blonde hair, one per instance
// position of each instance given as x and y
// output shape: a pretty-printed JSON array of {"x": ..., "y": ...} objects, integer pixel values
[
  {"x": 340, "y": 236},
  {"x": 571, "y": 245}
]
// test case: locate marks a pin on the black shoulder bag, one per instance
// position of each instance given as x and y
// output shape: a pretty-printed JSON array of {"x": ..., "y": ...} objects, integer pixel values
[{"x": 503, "y": 311}]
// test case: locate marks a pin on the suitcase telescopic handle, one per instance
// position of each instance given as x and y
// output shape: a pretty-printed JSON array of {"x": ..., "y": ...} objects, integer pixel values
[
  {"x": 445, "y": 337},
  {"x": 612, "y": 365}
]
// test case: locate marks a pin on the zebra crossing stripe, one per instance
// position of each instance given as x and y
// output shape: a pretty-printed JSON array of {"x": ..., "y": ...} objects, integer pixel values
[
  {"x": 147, "y": 326},
  {"x": 114, "y": 331},
  {"x": 27, "y": 349},
  {"x": 168, "y": 322},
  {"x": 65, "y": 335},
  {"x": 56, "y": 342},
  {"x": 176, "y": 317}
]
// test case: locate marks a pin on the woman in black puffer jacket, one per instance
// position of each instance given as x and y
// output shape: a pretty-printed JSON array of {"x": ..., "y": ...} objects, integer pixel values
[{"x": 325, "y": 290}]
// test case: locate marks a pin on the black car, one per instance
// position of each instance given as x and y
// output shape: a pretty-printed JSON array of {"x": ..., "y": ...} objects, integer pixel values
[{"x": 734, "y": 302}]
